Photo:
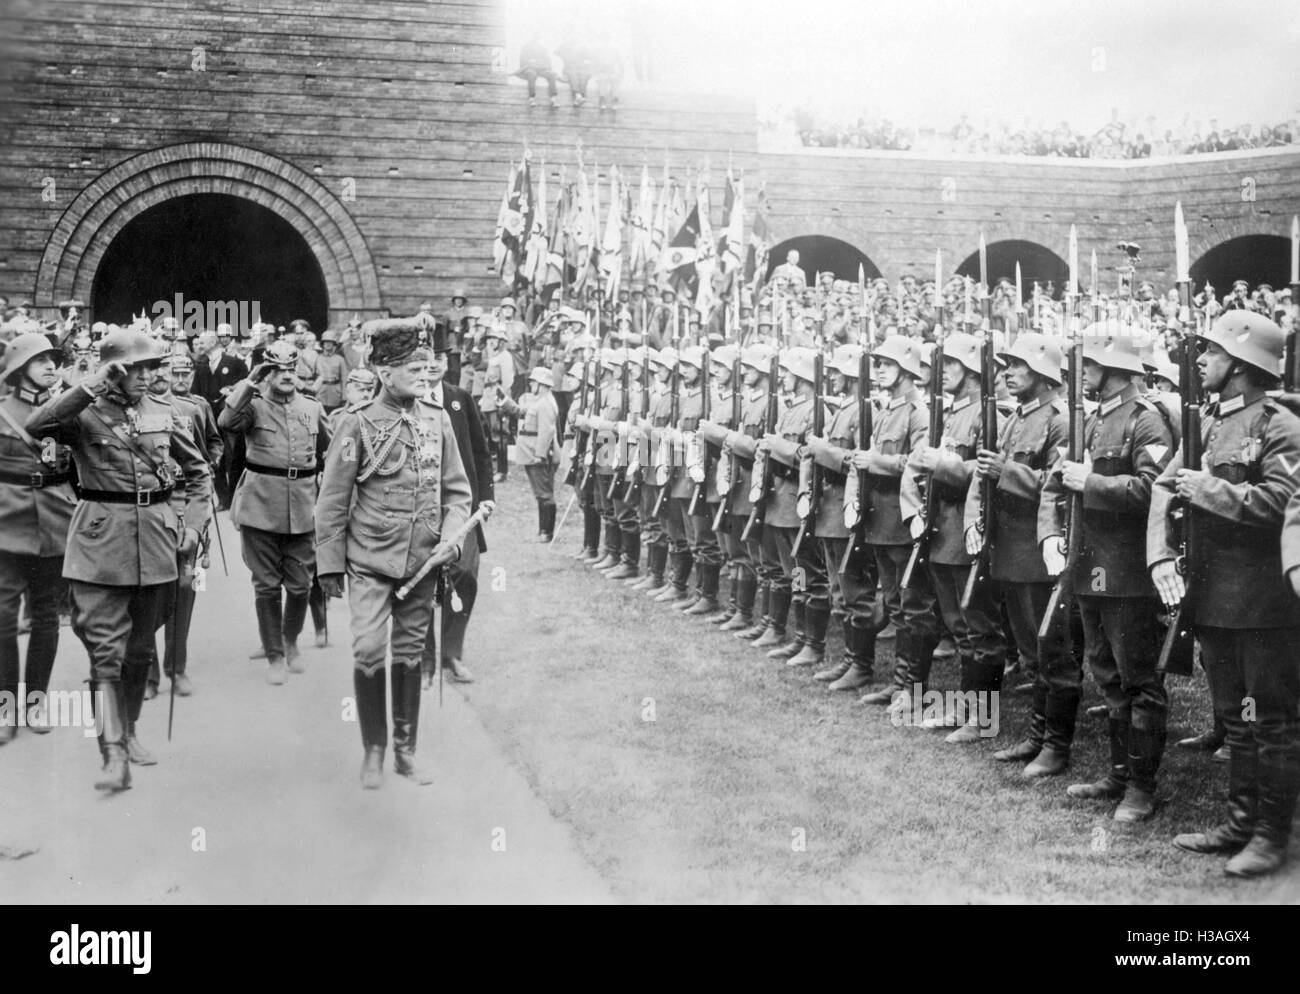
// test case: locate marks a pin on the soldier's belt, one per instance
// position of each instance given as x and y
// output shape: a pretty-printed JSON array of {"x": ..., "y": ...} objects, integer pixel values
[
  {"x": 527, "y": 434},
  {"x": 291, "y": 472},
  {"x": 330, "y": 382},
  {"x": 35, "y": 480},
  {"x": 140, "y": 498}
]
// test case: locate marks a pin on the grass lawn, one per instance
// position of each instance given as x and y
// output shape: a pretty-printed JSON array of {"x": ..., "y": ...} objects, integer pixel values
[{"x": 745, "y": 757}]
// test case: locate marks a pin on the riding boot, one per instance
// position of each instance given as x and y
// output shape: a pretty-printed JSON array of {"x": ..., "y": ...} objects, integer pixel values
[
  {"x": 270, "y": 628},
  {"x": 679, "y": 568},
  {"x": 1113, "y": 784},
  {"x": 1278, "y": 776},
  {"x": 1243, "y": 804},
  {"x": 541, "y": 516},
  {"x": 816, "y": 620},
  {"x": 1146, "y": 746},
  {"x": 759, "y": 612},
  {"x": 656, "y": 561},
  {"x": 613, "y": 546},
  {"x": 106, "y": 699},
  {"x": 794, "y": 642},
  {"x": 373, "y": 718},
  {"x": 630, "y": 563},
  {"x": 590, "y": 534},
  {"x": 746, "y": 588},
  {"x": 405, "y": 682},
  {"x": 778, "y": 613},
  {"x": 1032, "y": 744},
  {"x": 295, "y": 612},
  {"x": 710, "y": 577},
  {"x": 898, "y": 674},
  {"x": 860, "y": 652},
  {"x": 134, "y": 679}
]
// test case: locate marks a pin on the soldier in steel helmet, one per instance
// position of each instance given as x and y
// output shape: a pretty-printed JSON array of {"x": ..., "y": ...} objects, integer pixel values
[
  {"x": 333, "y": 370},
  {"x": 1244, "y": 612},
  {"x": 125, "y": 534},
  {"x": 394, "y": 495},
  {"x": 36, "y": 503},
  {"x": 285, "y": 436},
  {"x": 1128, "y": 443}
]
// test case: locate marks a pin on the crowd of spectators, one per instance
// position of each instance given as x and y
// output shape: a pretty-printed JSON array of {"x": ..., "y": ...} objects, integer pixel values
[
  {"x": 1116, "y": 140},
  {"x": 580, "y": 62}
]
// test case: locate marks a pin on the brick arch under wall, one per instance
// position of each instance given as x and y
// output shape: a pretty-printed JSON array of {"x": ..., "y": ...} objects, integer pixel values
[{"x": 99, "y": 212}]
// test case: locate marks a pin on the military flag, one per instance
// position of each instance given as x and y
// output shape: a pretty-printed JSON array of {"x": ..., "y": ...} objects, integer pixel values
[
  {"x": 640, "y": 221},
  {"x": 534, "y": 268},
  {"x": 760, "y": 242},
  {"x": 611, "y": 244},
  {"x": 555, "y": 264},
  {"x": 706, "y": 256}
]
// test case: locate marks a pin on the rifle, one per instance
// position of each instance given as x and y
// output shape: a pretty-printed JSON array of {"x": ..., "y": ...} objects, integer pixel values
[
  {"x": 724, "y": 498},
  {"x": 579, "y": 436},
  {"x": 1056, "y": 617},
  {"x": 589, "y": 454},
  {"x": 979, "y": 569},
  {"x": 698, "y": 493},
  {"x": 921, "y": 546},
  {"x": 620, "y": 463},
  {"x": 672, "y": 421},
  {"x": 865, "y": 417},
  {"x": 762, "y": 464},
  {"x": 634, "y": 479},
  {"x": 815, "y": 473},
  {"x": 1176, "y": 649}
]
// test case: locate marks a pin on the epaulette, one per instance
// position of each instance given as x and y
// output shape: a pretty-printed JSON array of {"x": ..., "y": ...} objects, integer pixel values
[
  {"x": 1062, "y": 405},
  {"x": 1288, "y": 401}
]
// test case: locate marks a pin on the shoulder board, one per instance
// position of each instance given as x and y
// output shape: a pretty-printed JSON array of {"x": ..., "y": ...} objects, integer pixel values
[
  {"x": 1146, "y": 404},
  {"x": 1062, "y": 405}
]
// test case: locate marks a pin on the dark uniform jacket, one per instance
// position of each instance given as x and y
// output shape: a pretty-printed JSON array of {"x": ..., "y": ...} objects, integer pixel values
[
  {"x": 959, "y": 446},
  {"x": 1029, "y": 440},
  {"x": 393, "y": 485},
  {"x": 753, "y": 410},
  {"x": 121, "y": 448},
  {"x": 458, "y": 405},
  {"x": 36, "y": 498},
  {"x": 208, "y": 383},
  {"x": 689, "y": 411},
  {"x": 1130, "y": 445},
  {"x": 1253, "y": 453}
]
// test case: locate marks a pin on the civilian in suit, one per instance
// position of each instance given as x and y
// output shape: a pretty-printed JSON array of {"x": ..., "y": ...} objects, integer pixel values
[
  {"x": 460, "y": 577},
  {"x": 216, "y": 371}
]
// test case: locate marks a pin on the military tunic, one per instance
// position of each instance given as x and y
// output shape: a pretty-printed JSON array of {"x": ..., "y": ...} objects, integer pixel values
[{"x": 333, "y": 370}]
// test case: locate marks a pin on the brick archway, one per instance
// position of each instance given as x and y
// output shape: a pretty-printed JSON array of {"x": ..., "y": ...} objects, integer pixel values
[{"x": 99, "y": 212}]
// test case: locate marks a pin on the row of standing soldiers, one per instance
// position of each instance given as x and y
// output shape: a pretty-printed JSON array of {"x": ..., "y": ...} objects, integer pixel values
[{"x": 781, "y": 472}]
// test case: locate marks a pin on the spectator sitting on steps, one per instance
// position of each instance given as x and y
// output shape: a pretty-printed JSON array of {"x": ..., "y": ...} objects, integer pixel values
[{"x": 535, "y": 63}]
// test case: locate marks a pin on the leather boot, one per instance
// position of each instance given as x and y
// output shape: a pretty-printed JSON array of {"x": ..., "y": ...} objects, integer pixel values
[
  {"x": 613, "y": 546},
  {"x": 1049, "y": 762},
  {"x": 762, "y": 606},
  {"x": 679, "y": 568},
  {"x": 1209, "y": 741},
  {"x": 1232, "y": 835},
  {"x": 746, "y": 588},
  {"x": 295, "y": 613},
  {"x": 106, "y": 700},
  {"x": 898, "y": 678},
  {"x": 1113, "y": 784},
  {"x": 373, "y": 718},
  {"x": 1062, "y": 711},
  {"x": 1278, "y": 777},
  {"x": 405, "y": 682},
  {"x": 816, "y": 619},
  {"x": 132, "y": 688},
  {"x": 1032, "y": 744},
  {"x": 726, "y": 605},
  {"x": 778, "y": 613},
  {"x": 551, "y": 513},
  {"x": 629, "y": 563},
  {"x": 656, "y": 560},
  {"x": 794, "y": 642},
  {"x": 590, "y": 534},
  {"x": 860, "y": 651},
  {"x": 541, "y": 516},
  {"x": 270, "y": 627},
  {"x": 1146, "y": 747},
  {"x": 710, "y": 577}
]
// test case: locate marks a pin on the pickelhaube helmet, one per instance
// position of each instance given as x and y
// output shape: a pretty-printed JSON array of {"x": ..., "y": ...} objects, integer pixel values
[
  {"x": 902, "y": 350},
  {"x": 1041, "y": 353},
  {"x": 1250, "y": 338},
  {"x": 130, "y": 347},
  {"x": 281, "y": 354},
  {"x": 23, "y": 349}
]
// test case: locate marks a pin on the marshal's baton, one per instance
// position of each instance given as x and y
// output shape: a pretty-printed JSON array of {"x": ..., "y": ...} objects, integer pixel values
[{"x": 433, "y": 562}]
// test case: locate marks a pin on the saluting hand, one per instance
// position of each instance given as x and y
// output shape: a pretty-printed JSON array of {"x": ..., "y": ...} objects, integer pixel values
[
  {"x": 1168, "y": 582},
  {"x": 331, "y": 584},
  {"x": 104, "y": 377}
]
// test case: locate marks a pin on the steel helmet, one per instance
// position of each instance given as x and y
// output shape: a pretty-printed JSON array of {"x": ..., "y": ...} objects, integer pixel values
[
  {"x": 543, "y": 376},
  {"x": 129, "y": 347},
  {"x": 1041, "y": 353},
  {"x": 1168, "y": 371},
  {"x": 692, "y": 355},
  {"x": 902, "y": 350},
  {"x": 330, "y": 336},
  {"x": 460, "y": 294},
  {"x": 758, "y": 356},
  {"x": 964, "y": 349},
  {"x": 281, "y": 354},
  {"x": 1250, "y": 338},
  {"x": 799, "y": 361},
  {"x": 636, "y": 357},
  {"x": 509, "y": 302},
  {"x": 665, "y": 357},
  {"x": 725, "y": 355},
  {"x": 667, "y": 288},
  {"x": 612, "y": 358},
  {"x": 1112, "y": 351},
  {"x": 846, "y": 360},
  {"x": 23, "y": 349}
]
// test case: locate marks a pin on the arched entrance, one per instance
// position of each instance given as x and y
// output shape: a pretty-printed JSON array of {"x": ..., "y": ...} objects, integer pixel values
[
  {"x": 99, "y": 213},
  {"x": 1037, "y": 265},
  {"x": 1253, "y": 258},
  {"x": 823, "y": 254},
  {"x": 209, "y": 257}
]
